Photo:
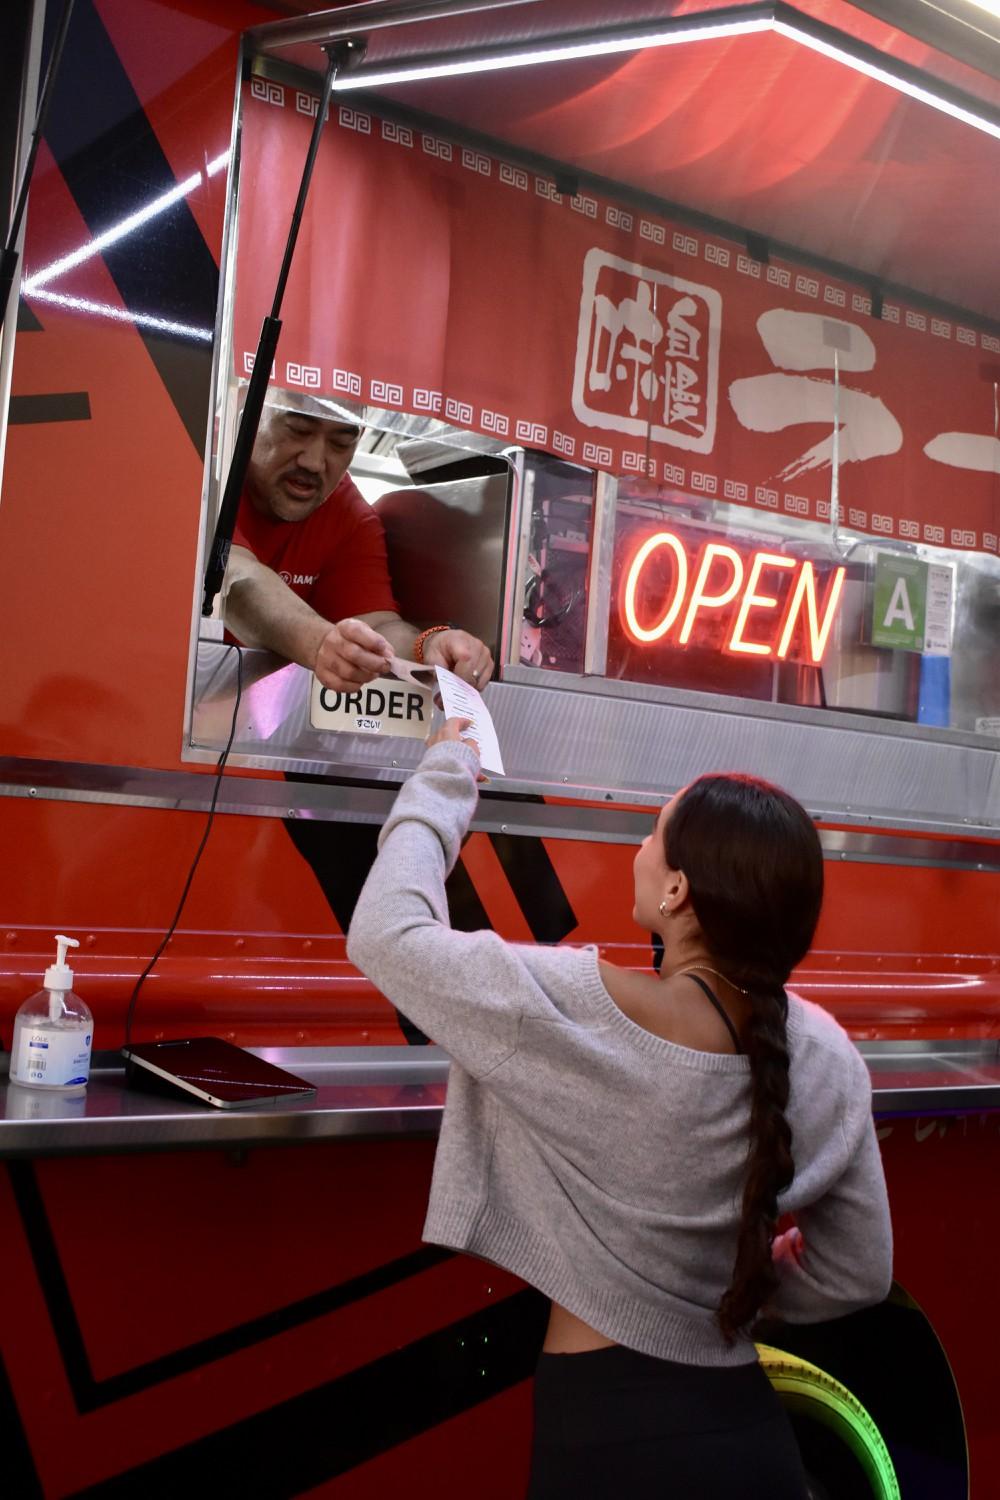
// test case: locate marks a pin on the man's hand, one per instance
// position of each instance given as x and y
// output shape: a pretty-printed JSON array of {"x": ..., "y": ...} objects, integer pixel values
[
  {"x": 351, "y": 654},
  {"x": 462, "y": 654}
]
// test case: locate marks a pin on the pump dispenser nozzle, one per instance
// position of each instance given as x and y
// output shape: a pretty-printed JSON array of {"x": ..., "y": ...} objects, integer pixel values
[{"x": 57, "y": 975}]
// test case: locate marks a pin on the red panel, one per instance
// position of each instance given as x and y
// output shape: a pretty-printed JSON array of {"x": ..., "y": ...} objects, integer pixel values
[
  {"x": 161, "y": 1252},
  {"x": 305, "y": 1221},
  {"x": 184, "y": 1246},
  {"x": 946, "y": 1225},
  {"x": 105, "y": 602},
  {"x": 100, "y": 865},
  {"x": 506, "y": 916},
  {"x": 184, "y": 72}
]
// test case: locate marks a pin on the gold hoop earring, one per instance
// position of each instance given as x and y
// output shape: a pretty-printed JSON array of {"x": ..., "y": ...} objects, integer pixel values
[{"x": 663, "y": 909}]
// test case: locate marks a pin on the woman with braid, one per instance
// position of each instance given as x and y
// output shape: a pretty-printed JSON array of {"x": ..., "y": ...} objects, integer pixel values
[{"x": 626, "y": 1142}]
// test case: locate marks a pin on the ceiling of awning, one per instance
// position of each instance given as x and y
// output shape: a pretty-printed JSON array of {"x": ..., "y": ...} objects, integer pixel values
[{"x": 757, "y": 131}]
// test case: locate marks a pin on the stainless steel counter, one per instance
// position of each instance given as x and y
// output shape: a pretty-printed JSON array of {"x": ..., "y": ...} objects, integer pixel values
[
  {"x": 397, "y": 1091},
  {"x": 369, "y": 1091}
]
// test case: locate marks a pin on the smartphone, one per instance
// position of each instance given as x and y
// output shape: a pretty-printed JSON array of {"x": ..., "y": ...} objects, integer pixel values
[{"x": 211, "y": 1070}]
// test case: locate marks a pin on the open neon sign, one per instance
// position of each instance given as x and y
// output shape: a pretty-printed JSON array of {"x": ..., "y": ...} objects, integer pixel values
[{"x": 764, "y": 623}]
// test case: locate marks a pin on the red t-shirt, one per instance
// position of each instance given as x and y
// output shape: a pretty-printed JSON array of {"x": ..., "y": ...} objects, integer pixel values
[{"x": 335, "y": 559}]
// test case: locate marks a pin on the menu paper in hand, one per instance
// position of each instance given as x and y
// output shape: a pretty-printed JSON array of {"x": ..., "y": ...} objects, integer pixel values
[{"x": 461, "y": 701}]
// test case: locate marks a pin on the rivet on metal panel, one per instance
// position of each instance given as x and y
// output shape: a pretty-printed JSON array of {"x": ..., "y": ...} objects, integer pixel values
[
  {"x": 241, "y": 942},
  {"x": 307, "y": 944},
  {"x": 565, "y": 778},
  {"x": 395, "y": 762},
  {"x": 90, "y": 940},
  {"x": 300, "y": 1036},
  {"x": 10, "y": 937},
  {"x": 503, "y": 827},
  {"x": 32, "y": 791},
  {"x": 292, "y": 812}
]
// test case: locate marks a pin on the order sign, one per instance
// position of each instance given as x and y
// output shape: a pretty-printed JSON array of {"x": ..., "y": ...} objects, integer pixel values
[{"x": 385, "y": 706}]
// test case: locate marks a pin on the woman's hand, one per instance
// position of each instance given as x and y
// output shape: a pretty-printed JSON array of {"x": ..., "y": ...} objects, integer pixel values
[
  {"x": 788, "y": 1248},
  {"x": 454, "y": 729}
]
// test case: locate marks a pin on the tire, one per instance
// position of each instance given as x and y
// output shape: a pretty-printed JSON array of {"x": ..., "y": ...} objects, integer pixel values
[{"x": 814, "y": 1398}]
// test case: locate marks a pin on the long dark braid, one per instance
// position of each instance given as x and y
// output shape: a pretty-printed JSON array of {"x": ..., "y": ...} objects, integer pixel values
[
  {"x": 770, "y": 1167},
  {"x": 754, "y": 866}
]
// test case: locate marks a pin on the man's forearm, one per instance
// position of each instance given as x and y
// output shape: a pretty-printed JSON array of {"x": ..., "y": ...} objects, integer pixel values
[
  {"x": 399, "y": 633},
  {"x": 261, "y": 610}
]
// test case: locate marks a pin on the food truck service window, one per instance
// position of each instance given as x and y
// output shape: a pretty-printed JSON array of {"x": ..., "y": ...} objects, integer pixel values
[{"x": 657, "y": 431}]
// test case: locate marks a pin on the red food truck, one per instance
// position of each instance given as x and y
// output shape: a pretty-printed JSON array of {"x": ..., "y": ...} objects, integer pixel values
[{"x": 674, "y": 332}]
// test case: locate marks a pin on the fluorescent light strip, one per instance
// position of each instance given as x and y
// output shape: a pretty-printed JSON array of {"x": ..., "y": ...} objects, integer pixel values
[
  {"x": 127, "y": 226},
  {"x": 882, "y": 75},
  {"x": 596, "y": 47},
  {"x": 111, "y": 236},
  {"x": 553, "y": 53},
  {"x": 120, "y": 315}
]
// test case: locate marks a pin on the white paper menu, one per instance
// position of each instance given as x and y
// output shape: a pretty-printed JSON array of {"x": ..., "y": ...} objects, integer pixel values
[{"x": 460, "y": 700}]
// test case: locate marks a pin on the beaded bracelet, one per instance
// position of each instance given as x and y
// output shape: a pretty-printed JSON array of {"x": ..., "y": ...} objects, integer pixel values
[{"x": 418, "y": 644}]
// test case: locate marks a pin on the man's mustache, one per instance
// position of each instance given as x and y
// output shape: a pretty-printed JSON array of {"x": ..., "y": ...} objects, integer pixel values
[{"x": 301, "y": 476}]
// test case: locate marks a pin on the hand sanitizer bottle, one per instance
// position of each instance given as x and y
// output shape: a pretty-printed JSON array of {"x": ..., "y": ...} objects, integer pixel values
[{"x": 53, "y": 1033}]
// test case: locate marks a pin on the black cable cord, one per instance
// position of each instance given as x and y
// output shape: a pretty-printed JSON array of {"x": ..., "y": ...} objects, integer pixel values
[{"x": 221, "y": 767}]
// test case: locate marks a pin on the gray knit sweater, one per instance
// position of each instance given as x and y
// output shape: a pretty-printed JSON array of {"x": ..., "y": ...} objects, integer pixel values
[{"x": 598, "y": 1162}]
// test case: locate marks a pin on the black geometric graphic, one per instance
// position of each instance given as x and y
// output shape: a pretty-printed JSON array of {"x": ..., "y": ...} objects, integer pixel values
[
  {"x": 113, "y": 165},
  {"x": 300, "y": 1443},
  {"x": 90, "y": 1394},
  {"x": 64, "y": 406}
]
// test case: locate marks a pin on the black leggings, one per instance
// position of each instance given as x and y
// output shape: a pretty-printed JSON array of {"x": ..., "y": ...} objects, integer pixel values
[{"x": 611, "y": 1424}]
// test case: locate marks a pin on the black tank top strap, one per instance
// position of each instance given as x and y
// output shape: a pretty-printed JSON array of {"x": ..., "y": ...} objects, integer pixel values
[{"x": 711, "y": 996}]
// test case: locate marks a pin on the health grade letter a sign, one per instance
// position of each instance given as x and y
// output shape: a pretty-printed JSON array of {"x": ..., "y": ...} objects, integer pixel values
[
  {"x": 647, "y": 354},
  {"x": 900, "y": 596}
]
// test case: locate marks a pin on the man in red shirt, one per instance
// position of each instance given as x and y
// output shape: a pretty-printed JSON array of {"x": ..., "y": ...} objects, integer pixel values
[{"x": 308, "y": 575}]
